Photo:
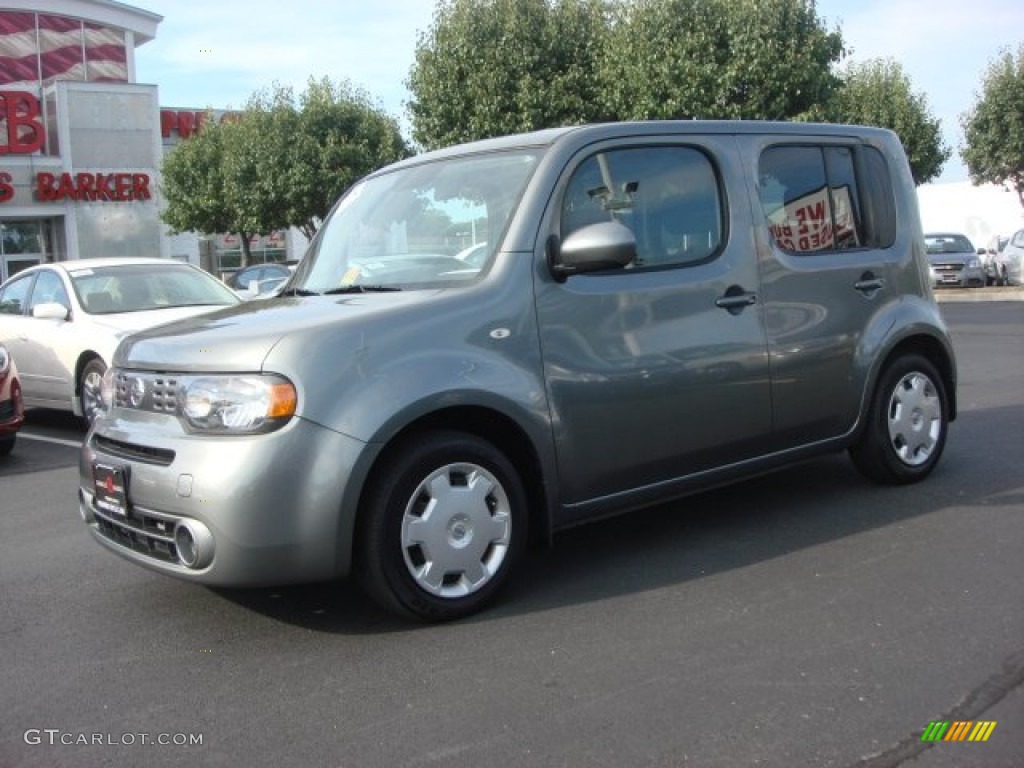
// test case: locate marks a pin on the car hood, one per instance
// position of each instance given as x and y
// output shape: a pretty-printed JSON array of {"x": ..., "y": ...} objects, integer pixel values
[{"x": 239, "y": 338}]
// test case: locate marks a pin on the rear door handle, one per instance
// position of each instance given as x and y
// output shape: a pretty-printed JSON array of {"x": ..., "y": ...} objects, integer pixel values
[{"x": 868, "y": 283}]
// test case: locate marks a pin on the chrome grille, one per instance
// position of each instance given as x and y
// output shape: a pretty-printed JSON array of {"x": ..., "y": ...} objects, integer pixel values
[{"x": 146, "y": 391}]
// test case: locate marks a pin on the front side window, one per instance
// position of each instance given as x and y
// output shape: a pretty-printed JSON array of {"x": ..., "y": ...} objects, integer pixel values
[
  {"x": 431, "y": 225},
  {"x": 49, "y": 289},
  {"x": 811, "y": 199},
  {"x": 668, "y": 196}
]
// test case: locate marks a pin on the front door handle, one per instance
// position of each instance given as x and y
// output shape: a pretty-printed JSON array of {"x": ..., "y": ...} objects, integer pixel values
[{"x": 735, "y": 300}]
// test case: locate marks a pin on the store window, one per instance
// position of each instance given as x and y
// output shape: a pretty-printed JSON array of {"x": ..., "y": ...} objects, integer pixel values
[
  {"x": 38, "y": 48},
  {"x": 22, "y": 245}
]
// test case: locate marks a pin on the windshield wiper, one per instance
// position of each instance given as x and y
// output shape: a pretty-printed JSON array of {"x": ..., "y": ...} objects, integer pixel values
[
  {"x": 298, "y": 292},
  {"x": 362, "y": 289}
]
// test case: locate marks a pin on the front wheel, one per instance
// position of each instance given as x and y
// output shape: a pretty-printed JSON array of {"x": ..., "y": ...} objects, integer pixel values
[
  {"x": 906, "y": 424},
  {"x": 443, "y": 522},
  {"x": 90, "y": 390}
]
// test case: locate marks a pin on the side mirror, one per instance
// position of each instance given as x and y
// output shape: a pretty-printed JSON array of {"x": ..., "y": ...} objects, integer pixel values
[
  {"x": 982, "y": 251},
  {"x": 50, "y": 310},
  {"x": 593, "y": 248}
]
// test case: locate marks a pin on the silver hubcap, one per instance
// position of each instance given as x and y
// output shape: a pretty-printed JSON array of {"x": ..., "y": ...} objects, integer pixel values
[
  {"x": 456, "y": 530},
  {"x": 91, "y": 397},
  {"x": 915, "y": 419}
]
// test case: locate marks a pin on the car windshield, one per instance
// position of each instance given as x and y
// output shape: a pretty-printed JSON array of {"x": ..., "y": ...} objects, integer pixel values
[
  {"x": 948, "y": 244},
  {"x": 418, "y": 227},
  {"x": 140, "y": 287}
]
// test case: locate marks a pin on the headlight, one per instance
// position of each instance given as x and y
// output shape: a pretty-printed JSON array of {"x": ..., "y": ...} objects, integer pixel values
[
  {"x": 236, "y": 404},
  {"x": 974, "y": 264},
  {"x": 216, "y": 403},
  {"x": 5, "y": 359}
]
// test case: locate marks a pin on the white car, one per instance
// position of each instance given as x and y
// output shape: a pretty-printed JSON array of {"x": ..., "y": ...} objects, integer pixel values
[
  {"x": 1013, "y": 259},
  {"x": 61, "y": 322}
]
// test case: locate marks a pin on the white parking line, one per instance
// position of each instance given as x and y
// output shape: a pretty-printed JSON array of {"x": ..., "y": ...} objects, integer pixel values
[{"x": 47, "y": 439}]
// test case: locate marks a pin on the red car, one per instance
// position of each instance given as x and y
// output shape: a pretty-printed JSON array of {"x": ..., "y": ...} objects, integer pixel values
[{"x": 12, "y": 410}]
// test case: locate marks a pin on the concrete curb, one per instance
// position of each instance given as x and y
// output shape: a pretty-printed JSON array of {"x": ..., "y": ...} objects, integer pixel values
[{"x": 1012, "y": 293}]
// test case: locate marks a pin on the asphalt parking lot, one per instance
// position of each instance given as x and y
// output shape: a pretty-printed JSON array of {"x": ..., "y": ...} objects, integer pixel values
[{"x": 806, "y": 618}]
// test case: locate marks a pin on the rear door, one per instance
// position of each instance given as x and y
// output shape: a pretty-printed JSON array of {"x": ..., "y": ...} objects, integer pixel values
[
  {"x": 659, "y": 370},
  {"x": 826, "y": 223}
]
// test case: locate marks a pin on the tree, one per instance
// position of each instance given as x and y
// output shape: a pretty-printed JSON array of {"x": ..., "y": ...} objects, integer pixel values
[
  {"x": 277, "y": 163},
  {"x": 193, "y": 188},
  {"x": 719, "y": 59},
  {"x": 340, "y": 137},
  {"x": 490, "y": 67},
  {"x": 994, "y": 127},
  {"x": 878, "y": 92}
]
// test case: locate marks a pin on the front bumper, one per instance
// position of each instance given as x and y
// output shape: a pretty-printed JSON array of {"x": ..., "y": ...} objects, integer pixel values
[{"x": 276, "y": 507}]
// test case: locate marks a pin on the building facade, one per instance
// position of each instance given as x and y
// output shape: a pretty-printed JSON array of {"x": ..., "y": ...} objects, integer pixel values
[{"x": 81, "y": 142}]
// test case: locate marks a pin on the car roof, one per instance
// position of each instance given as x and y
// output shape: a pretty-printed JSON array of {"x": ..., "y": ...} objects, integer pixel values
[{"x": 600, "y": 131}]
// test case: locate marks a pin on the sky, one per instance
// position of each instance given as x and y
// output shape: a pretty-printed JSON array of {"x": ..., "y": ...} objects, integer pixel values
[{"x": 217, "y": 53}]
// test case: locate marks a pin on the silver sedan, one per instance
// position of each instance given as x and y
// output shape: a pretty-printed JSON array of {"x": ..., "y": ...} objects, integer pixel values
[{"x": 61, "y": 322}]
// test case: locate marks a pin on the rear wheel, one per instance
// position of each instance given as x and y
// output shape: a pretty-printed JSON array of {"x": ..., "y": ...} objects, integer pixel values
[
  {"x": 443, "y": 523},
  {"x": 7, "y": 444},
  {"x": 907, "y": 423}
]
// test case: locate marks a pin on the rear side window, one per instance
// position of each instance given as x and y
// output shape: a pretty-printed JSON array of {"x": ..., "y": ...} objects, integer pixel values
[
  {"x": 669, "y": 196},
  {"x": 826, "y": 198}
]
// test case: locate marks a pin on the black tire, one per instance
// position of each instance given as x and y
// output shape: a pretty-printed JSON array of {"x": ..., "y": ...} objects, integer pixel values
[
  {"x": 7, "y": 444},
  {"x": 445, "y": 509},
  {"x": 88, "y": 389},
  {"x": 906, "y": 424}
]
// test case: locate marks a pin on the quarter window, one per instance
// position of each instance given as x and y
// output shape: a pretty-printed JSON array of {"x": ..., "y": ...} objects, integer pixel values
[
  {"x": 812, "y": 198},
  {"x": 668, "y": 196}
]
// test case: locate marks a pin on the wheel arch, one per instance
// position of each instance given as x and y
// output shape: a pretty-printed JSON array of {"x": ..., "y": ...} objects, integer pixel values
[
  {"x": 933, "y": 350},
  {"x": 84, "y": 358},
  {"x": 488, "y": 424}
]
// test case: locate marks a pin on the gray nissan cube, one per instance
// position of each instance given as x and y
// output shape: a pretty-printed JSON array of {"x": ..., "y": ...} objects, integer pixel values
[{"x": 650, "y": 309}]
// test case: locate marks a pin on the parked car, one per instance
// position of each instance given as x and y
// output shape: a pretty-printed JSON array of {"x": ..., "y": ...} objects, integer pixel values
[
  {"x": 1013, "y": 259},
  {"x": 994, "y": 261},
  {"x": 954, "y": 261},
  {"x": 62, "y": 321},
  {"x": 666, "y": 307},
  {"x": 243, "y": 279},
  {"x": 12, "y": 409},
  {"x": 262, "y": 289}
]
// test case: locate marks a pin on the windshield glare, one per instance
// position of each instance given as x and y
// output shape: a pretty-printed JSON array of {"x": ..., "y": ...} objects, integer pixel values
[{"x": 431, "y": 225}]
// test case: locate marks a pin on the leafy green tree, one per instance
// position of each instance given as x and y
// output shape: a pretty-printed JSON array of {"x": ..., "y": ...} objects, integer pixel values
[
  {"x": 994, "y": 127},
  {"x": 719, "y": 59},
  {"x": 878, "y": 92},
  {"x": 341, "y": 136},
  {"x": 192, "y": 186},
  {"x": 278, "y": 163},
  {"x": 490, "y": 67}
]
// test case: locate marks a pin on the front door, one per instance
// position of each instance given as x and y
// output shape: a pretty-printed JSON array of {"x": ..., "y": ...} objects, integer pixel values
[{"x": 659, "y": 370}]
